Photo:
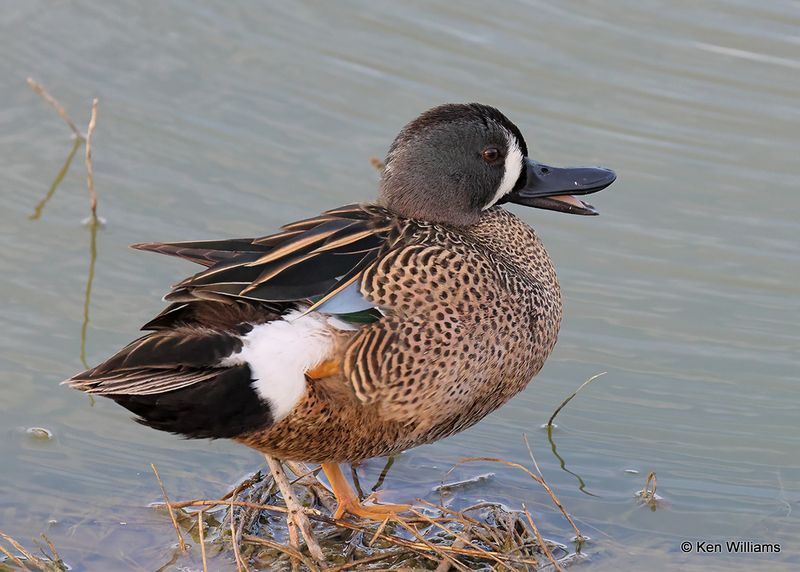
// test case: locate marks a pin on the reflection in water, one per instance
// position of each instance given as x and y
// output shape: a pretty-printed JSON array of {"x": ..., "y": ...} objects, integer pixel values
[
  {"x": 37, "y": 210},
  {"x": 93, "y": 222},
  {"x": 549, "y": 427},
  {"x": 378, "y": 483},
  {"x": 356, "y": 482},
  {"x": 384, "y": 472},
  {"x": 563, "y": 464}
]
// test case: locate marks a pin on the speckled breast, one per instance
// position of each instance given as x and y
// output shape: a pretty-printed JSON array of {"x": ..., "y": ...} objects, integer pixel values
[{"x": 471, "y": 316}]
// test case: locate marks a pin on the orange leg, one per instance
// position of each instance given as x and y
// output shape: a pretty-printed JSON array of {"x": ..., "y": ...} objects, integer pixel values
[
  {"x": 348, "y": 499},
  {"x": 325, "y": 369}
]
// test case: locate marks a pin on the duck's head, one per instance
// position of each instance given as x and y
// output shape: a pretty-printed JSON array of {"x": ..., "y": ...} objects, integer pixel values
[{"x": 455, "y": 161}]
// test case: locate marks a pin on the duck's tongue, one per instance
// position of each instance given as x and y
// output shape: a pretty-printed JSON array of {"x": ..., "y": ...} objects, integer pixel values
[
  {"x": 570, "y": 200},
  {"x": 568, "y": 204}
]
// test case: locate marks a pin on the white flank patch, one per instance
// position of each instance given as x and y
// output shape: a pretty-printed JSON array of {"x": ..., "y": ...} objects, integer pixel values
[
  {"x": 280, "y": 352},
  {"x": 512, "y": 170}
]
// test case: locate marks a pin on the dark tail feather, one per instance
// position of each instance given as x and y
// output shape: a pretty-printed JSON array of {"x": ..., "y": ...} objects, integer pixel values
[
  {"x": 174, "y": 380},
  {"x": 223, "y": 407},
  {"x": 206, "y": 253}
]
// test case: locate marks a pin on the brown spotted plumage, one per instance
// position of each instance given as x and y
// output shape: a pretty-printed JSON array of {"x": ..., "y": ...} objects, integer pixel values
[
  {"x": 368, "y": 329},
  {"x": 466, "y": 328}
]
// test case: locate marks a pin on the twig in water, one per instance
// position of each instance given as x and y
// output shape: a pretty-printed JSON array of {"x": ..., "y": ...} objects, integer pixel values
[
  {"x": 201, "y": 536},
  {"x": 93, "y": 224},
  {"x": 240, "y": 565},
  {"x": 648, "y": 494},
  {"x": 462, "y": 540},
  {"x": 31, "y": 560},
  {"x": 418, "y": 547},
  {"x": 530, "y": 454},
  {"x": 360, "y": 563},
  {"x": 460, "y": 515},
  {"x": 444, "y": 565},
  {"x": 536, "y": 478},
  {"x": 430, "y": 546},
  {"x": 53, "y": 558},
  {"x": 245, "y": 484},
  {"x": 55, "y": 555},
  {"x": 40, "y": 89},
  {"x": 568, "y": 399},
  {"x": 181, "y": 543},
  {"x": 296, "y": 515},
  {"x": 13, "y": 558},
  {"x": 306, "y": 477},
  {"x": 541, "y": 541},
  {"x": 379, "y": 530},
  {"x": 217, "y": 502},
  {"x": 89, "y": 169},
  {"x": 289, "y": 550}
]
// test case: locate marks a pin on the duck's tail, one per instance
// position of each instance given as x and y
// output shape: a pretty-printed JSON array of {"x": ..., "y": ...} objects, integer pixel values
[{"x": 174, "y": 380}]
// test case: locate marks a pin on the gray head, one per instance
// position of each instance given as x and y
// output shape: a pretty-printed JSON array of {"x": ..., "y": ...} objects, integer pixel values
[{"x": 455, "y": 161}]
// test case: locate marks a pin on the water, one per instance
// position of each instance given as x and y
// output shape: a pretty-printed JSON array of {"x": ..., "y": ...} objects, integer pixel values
[{"x": 230, "y": 119}]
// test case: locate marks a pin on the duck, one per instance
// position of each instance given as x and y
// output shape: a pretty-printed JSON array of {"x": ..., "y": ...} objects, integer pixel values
[{"x": 371, "y": 328}]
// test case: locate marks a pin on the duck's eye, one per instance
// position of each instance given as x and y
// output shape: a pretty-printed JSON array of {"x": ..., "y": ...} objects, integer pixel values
[{"x": 491, "y": 154}]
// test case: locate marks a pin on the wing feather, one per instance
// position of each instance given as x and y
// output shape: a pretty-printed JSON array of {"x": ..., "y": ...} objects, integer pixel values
[
  {"x": 162, "y": 361},
  {"x": 315, "y": 258}
]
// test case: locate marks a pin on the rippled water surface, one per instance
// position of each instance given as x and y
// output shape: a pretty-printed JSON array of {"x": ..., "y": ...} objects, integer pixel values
[{"x": 229, "y": 118}]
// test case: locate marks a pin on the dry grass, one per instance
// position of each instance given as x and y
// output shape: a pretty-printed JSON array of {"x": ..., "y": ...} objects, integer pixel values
[
  {"x": 88, "y": 160},
  {"x": 568, "y": 399},
  {"x": 55, "y": 104},
  {"x": 430, "y": 536},
  {"x": 23, "y": 559},
  {"x": 647, "y": 496},
  {"x": 181, "y": 543},
  {"x": 202, "y": 540}
]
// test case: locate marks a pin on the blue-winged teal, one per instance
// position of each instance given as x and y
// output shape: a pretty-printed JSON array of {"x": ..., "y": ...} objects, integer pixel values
[{"x": 371, "y": 328}]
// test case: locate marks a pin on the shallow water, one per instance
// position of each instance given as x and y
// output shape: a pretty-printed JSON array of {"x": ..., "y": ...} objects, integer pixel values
[{"x": 228, "y": 120}]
